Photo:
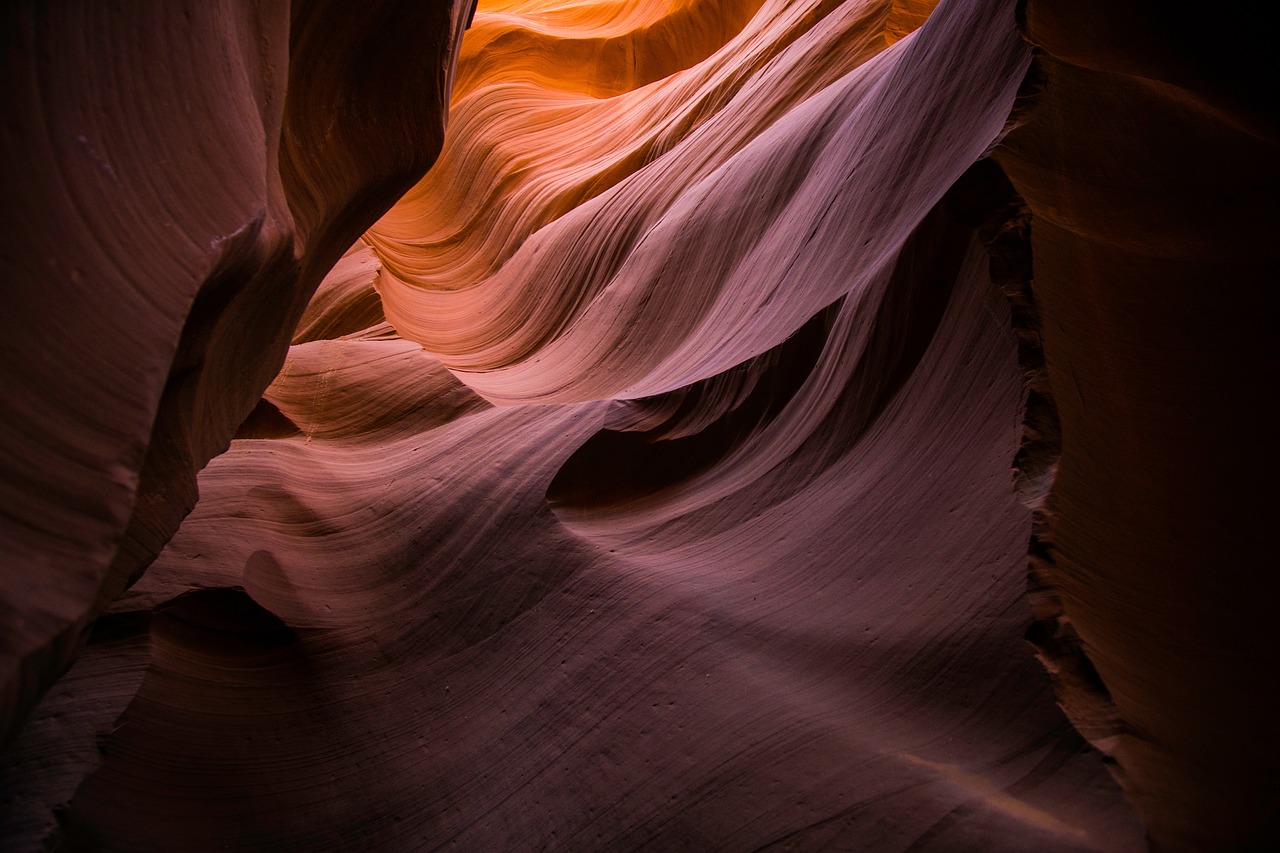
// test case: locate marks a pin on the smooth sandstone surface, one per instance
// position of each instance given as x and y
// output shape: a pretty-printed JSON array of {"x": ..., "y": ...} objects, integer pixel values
[
  {"x": 658, "y": 472},
  {"x": 1151, "y": 172},
  {"x": 186, "y": 174}
]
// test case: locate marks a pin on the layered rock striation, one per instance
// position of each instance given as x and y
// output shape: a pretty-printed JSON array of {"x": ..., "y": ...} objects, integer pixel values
[
  {"x": 180, "y": 176},
  {"x": 658, "y": 471}
]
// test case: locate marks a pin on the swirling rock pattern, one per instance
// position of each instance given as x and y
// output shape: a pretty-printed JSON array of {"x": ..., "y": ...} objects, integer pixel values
[
  {"x": 186, "y": 176},
  {"x": 641, "y": 479}
]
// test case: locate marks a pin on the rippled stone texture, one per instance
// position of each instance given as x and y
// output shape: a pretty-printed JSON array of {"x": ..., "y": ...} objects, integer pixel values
[
  {"x": 642, "y": 478},
  {"x": 180, "y": 177}
]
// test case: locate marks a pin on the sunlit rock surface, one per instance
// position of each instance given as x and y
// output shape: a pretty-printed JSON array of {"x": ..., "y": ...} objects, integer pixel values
[{"x": 659, "y": 471}]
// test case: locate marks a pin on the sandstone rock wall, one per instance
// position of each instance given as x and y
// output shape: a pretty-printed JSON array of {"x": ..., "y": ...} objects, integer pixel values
[{"x": 656, "y": 471}]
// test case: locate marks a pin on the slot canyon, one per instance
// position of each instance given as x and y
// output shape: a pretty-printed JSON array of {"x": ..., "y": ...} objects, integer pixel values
[{"x": 637, "y": 425}]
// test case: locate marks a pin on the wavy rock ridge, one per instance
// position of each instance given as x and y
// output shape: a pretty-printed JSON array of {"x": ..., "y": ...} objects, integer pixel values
[{"x": 641, "y": 478}]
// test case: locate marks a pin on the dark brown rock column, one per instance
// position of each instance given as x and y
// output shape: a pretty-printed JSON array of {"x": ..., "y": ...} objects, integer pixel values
[
  {"x": 178, "y": 178},
  {"x": 1150, "y": 168}
]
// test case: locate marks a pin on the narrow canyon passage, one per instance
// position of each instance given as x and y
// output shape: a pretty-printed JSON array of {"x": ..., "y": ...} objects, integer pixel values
[{"x": 602, "y": 426}]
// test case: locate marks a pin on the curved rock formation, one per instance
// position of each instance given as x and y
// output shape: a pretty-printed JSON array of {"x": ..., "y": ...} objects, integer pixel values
[
  {"x": 186, "y": 176},
  {"x": 641, "y": 479}
]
